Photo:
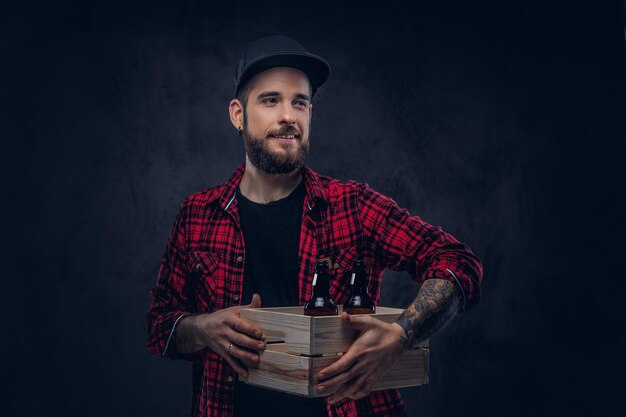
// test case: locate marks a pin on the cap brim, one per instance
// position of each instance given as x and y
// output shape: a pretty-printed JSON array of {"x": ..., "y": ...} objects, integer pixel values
[{"x": 315, "y": 67}]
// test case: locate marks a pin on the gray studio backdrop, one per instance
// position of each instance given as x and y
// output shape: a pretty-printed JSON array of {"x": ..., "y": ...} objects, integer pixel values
[{"x": 464, "y": 114}]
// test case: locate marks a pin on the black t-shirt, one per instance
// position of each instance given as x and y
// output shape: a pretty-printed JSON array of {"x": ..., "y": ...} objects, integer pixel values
[{"x": 272, "y": 235}]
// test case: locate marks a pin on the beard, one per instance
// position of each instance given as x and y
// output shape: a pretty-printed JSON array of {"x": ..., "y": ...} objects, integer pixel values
[{"x": 262, "y": 157}]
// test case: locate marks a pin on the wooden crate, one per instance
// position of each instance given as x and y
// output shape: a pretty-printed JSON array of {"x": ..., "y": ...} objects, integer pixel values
[{"x": 299, "y": 346}]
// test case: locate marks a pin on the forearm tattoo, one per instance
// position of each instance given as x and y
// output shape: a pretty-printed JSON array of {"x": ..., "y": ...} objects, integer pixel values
[{"x": 435, "y": 305}]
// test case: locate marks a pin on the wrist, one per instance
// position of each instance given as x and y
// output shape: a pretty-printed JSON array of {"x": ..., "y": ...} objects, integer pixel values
[
  {"x": 185, "y": 325},
  {"x": 407, "y": 337},
  {"x": 400, "y": 337},
  {"x": 188, "y": 333},
  {"x": 398, "y": 330}
]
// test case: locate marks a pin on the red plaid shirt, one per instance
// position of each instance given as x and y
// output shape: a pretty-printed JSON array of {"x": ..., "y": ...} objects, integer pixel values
[{"x": 202, "y": 271}]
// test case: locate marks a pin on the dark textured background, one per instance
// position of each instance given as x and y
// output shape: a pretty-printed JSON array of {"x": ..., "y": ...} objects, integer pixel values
[{"x": 501, "y": 122}]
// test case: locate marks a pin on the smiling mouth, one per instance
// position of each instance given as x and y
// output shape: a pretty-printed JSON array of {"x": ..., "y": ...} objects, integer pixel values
[{"x": 291, "y": 137}]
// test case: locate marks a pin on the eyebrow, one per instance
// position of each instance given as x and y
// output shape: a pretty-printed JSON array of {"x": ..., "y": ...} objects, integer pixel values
[{"x": 266, "y": 94}]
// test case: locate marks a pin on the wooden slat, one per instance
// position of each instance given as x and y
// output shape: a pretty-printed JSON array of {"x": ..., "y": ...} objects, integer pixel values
[
  {"x": 281, "y": 323},
  {"x": 411, "y": 370},
  {"x": 282, "y": 372},
  {"x": 310, "y": 335},
  {"x": 297, "y": 374}
]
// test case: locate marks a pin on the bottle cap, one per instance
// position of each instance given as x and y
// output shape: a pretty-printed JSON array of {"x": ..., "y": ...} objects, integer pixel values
[{"x": 322, "y": 264}]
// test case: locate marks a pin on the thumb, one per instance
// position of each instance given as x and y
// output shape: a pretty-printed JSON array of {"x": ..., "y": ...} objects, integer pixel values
[
  {"x": 256, "y": 301},
  {"x": 357, "y": 322}
]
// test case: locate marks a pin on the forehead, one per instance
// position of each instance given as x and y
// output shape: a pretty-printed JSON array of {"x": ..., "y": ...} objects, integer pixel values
[{"x": 281, "y": 79}]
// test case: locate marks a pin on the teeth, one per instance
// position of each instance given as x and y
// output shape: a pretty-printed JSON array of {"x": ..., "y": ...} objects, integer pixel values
[{"x": 285, "y": 136}]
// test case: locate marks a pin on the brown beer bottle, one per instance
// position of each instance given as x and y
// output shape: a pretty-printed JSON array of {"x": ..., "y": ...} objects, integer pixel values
[
  {"x": 360, "y": 301},
  {"x": 320, "y": 303}
]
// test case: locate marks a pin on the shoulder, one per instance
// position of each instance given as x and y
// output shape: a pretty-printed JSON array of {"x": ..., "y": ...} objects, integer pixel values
[
  {"x": 338, "y": 190},
  {"x": 360, "y": 198},
  {"x": 197, "y": 203},
  {"x": 334, "y": 188},
  {"x": 337, "y": 187},
  {"x": 202, "y": 197}
]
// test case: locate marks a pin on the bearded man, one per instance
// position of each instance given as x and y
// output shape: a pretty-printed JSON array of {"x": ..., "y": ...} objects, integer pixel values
[{"x": 257, "y": 236}]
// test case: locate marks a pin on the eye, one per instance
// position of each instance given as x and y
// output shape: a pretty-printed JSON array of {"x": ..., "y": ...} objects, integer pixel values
[
  {"x": 301, "y": 103},
  {"x": 270, "y": 100}
]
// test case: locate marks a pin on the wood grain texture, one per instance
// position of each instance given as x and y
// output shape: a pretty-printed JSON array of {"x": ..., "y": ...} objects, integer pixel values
[
  {"x": 296, "y": 374},
  {"x": 310, "y": 335},
  {"x": 283, "y": 324},
  {"x": 309, "y": 344}
]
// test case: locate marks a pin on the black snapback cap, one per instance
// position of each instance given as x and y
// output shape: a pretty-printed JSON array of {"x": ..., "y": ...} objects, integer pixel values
[{"x": 280, "y": 51}]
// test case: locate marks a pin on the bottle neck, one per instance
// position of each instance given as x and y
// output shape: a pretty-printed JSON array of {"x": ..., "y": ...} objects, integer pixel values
[
  {"x": 359, "y": 282},
  {"x": 321, "y": 284}
]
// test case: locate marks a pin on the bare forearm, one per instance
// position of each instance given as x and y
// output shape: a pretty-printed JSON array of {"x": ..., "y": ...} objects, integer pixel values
[
  {"x": 187, "y": 335},
  {"x": 435, "y": 305}
]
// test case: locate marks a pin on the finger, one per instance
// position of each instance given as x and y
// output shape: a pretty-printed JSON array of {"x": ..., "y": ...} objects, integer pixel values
[
  {"x": 343, "y": 364},
  {"x": 247, "y": 334},
  {"x": 243, "y": 354},
  {"x": 240, "y": 369},
  {"x": 339, "y": 381},
  {"x": 356, "y": 389},
  {"x": 244, "y": 341},
  {"x": 359, "y": 322},
  {"x": 250, "y": 364},
  {"x": 234, "y": 362},
  {"x": 366, "y": 385},
  {"x": 256, "y": 301},
  {"x": 335, "y": 385},
  {"x": 346, "y": 389},
  {"x": 337, "y": 396}
]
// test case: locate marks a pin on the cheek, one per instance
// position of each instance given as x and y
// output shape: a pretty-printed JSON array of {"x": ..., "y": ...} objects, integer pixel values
[
  {"x": 257, "y": 129},
  {"x": 306, "y": 124},
  {"x": 260, "y": 120}
]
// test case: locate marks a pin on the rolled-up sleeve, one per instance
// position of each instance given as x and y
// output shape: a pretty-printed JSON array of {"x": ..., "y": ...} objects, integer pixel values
[
  {"x": 170, "y": 298},
  {"x": 407, "y": 243}
]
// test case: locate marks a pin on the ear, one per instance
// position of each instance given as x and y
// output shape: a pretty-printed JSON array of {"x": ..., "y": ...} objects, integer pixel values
[{"x": 235, "y": 109}]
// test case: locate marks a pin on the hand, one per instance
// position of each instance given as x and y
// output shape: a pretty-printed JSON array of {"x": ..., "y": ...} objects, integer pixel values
[
  {"x": 375, "y": 351},
  {"x": 233, "y": 338}
]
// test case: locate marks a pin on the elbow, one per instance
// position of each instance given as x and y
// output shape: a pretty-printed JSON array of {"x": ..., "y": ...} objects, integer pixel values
[{"x": 472, "y": 278}]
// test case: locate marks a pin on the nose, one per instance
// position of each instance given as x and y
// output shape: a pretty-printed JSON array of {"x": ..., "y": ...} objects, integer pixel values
[{"x": 287, "y": 115}]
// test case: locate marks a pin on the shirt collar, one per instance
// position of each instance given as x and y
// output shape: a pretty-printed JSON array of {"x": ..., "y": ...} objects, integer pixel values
[{"x": 314, "y": 189}]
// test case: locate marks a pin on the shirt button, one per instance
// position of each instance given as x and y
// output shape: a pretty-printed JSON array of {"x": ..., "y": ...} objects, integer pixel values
[
  {"x": 239, "y": 258},
  {"x": 198, "y": 266},
  {"x": 336, "y": 266},
  {"x": 229, "y": 379},
  {"x": 236, "y": 298}
]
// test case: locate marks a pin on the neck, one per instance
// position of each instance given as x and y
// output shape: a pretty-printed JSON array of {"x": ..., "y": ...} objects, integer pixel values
[{"x": 262, "y": 187}]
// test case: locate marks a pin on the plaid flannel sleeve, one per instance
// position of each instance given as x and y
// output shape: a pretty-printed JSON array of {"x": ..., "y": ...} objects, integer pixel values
[
  {"x": 407, "y": 243},
  {"x": 170, "y": 299}
]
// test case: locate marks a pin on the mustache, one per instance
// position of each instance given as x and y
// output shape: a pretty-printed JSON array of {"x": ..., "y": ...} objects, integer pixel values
[{"x": 286, "y": 131}]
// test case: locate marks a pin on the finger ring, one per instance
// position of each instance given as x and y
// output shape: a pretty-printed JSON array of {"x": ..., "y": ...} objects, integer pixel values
[{"x": 229, "y": 346}]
